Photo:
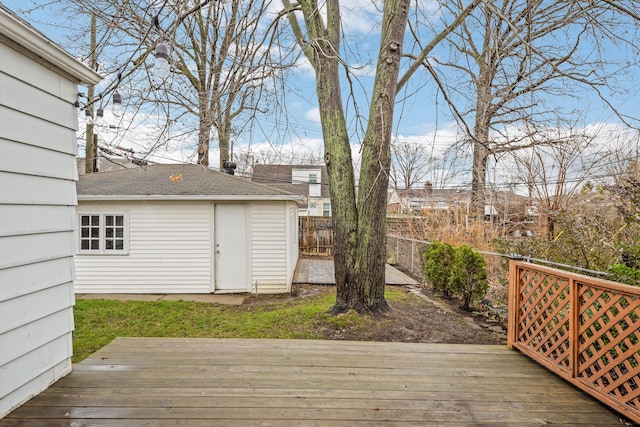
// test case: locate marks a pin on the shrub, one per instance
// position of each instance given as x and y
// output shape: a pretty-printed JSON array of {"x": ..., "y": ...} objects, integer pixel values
[
  {"x": 624, "y": 274},
  {"x": 438, "y": 262},
  {"x": 628, "y": 269},
  {"x": 468, "y": 276}
]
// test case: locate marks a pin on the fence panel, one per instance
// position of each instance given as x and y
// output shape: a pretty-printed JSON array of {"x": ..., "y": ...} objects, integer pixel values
[
  {"x": 587, "y": 330},
  {"x": 408, "y": 254},
  {"x": 315, "y": 235}
]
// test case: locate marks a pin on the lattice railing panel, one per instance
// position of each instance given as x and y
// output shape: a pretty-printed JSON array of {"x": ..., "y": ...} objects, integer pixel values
[
  {"x": 544, "y": 317},
  {"x": 609, "y": 343},
  {"x": 585, "y": 329}
]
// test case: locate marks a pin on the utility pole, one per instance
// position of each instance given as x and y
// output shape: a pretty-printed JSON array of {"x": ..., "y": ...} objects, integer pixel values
[{"x": 91, "y": 151}]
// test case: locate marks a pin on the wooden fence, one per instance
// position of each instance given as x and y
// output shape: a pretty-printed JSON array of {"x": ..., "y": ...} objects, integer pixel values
[
  {"x": 584, "y": 329},
  {"x": 315, "y": 235}
]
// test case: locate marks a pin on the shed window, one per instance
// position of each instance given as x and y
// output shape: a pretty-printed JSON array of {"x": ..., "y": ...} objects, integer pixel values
[{"x": 103, "y": 233}]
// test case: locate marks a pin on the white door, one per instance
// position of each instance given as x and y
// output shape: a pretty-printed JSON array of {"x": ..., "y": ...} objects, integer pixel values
[{"x": 231, "y": 255}]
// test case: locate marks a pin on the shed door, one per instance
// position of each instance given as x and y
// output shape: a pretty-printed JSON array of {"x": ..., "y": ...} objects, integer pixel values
[{"x": 231, "y": 253}]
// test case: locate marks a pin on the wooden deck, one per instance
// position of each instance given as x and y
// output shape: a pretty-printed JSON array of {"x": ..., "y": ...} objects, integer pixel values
[{"x": 213, "y": 382}]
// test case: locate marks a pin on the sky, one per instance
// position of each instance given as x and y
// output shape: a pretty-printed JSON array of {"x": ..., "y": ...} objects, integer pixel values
[{"x": 422, "y": 119}]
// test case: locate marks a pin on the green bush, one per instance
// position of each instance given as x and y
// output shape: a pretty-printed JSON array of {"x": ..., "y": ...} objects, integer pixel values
[
  {"x": 624, "y": 274},
  {"x": 438, "y": 262},
  {"x": 628, "y": 269},
  {"x": 468, "y": 276}
]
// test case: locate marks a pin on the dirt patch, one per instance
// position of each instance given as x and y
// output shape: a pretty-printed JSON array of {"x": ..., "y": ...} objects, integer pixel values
[{"x": 422, "y": 318}]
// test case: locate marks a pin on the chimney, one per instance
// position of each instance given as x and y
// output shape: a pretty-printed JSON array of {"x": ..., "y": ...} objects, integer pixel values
[
  {"x": 229, "y": 167},
  {"x": 428, "y": 187}
]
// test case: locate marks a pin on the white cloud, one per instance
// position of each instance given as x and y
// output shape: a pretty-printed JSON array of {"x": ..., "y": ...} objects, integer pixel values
[{"x": 313, "y": 115}]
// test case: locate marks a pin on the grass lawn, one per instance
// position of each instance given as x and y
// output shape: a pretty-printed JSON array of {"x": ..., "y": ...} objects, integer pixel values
[{"x": 98, "y": 322}]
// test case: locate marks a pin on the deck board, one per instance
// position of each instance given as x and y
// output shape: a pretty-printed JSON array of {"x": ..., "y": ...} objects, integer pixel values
[{"x": 204, "y": 382}]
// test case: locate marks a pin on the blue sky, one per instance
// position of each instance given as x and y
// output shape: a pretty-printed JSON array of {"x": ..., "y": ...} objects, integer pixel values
[{"x": 421, "y": 119}]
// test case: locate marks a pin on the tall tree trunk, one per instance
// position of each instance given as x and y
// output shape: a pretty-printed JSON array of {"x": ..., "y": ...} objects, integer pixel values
[
  {"x": 204, "y": 132},
  {"x": 359, "y": 231},
  {"x": 481, "y": 140},
  {"x": 224, "y": 139},
  {"x": 337, "y": 155},
  {"x": 479, "y": 172},
  {"x": 376, "y": 160}
]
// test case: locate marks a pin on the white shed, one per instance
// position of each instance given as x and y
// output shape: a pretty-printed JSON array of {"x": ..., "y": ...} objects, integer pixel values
[
  {"x": 183, "y": 229},
  {"x": 38, "y": 122}
]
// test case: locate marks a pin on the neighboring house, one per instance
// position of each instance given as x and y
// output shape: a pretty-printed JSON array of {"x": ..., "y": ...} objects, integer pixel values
[
  {"x": 428, "y": 199},
  {"x": 183, "y": 229},
  {"x": 38, "y": 122},
  {"x": 309, "y": 181},
  {"x": 505, "y": 208}
]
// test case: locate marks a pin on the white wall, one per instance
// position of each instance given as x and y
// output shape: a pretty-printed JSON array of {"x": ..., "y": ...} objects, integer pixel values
[
  {"x": 292, "y": 235},
  {"x": 271, "y": 252},
  {"x": 169, "y": 250},
  {"x": 37, "y": 205}
]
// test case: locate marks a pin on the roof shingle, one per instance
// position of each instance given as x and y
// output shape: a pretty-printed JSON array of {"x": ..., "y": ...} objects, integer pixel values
[{"x": 174, "y": 180}]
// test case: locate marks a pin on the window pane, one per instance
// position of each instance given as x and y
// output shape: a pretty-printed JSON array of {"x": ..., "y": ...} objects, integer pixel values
[
  {"x": 95, "y": 233},
  {"x": 84, "y": 233},
  {"x": 119, "y": 220},
  {"x": 108, "y": 233},
  {"x": 95, "y": 244},
  {"x": 108, "y": 244},
  {"x": 84, "y": 244},
  {"x": 108, "y": 220},
  {"x": 85, "y": 220},
  {"x": 120, "y": 232},
  {"x": 119, "y": 245},
  {"x": 95, "y": 220}
]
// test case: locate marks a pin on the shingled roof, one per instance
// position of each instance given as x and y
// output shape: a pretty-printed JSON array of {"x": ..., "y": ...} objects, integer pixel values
[{"x": 181, "y": 182}]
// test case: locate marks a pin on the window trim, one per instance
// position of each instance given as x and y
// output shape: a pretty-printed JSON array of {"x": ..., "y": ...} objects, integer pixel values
[
  {"x": 102, "y": 238},
  {"x": 327, "y": 211}
]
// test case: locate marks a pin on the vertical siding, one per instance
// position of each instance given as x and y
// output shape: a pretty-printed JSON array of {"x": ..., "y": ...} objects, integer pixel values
[
  {"x": 292, "y": 232},
  {"x": 269, "y": 244},
  {"x": 37, "y": 207},
  {"x": 169, "y": 250}
]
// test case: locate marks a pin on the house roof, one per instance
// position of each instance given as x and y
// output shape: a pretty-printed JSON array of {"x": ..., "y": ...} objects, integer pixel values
[
  {"x": 281, "y": 176},
  {"x": 173, "y": 182},
  {"x": 435, "y": 194},
  {"x": 26, "y": 38}
]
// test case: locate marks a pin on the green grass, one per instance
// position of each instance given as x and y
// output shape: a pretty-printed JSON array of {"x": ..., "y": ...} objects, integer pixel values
[{"x": 98, "y": 322}]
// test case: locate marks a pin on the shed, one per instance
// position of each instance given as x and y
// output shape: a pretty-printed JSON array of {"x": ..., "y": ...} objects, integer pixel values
[
  {"x": 183, "y": 229},
  {"x": 38, "y": 123}
]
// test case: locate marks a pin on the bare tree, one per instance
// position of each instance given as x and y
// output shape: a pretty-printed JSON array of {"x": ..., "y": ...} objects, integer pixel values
[
  {"x": 222, "y": 58},
  {"x": 359, "y": 225},
  {"x": 411, "y": 163},
  {"x": 512, "y": 59},
  {"x": 556, "y": 172}
]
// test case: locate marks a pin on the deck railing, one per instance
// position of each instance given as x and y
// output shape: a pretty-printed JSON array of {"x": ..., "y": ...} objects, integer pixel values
[{"x": 584, "y": 329}]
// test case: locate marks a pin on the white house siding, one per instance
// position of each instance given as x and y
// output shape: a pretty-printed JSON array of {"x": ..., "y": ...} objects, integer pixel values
[
  {"x": 169, "y": 250},
  {"x": 270, "y": 246},
  {"x": 292, "y": 236},
  {"x": 37, "y": 207}
]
